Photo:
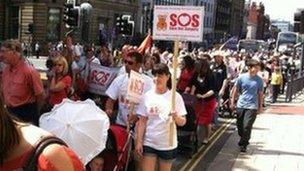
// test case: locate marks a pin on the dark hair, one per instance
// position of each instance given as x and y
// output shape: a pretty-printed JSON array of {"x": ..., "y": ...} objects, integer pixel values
[
  {"x": 87, "y": 47},
  {"x": 9, "y": 135},
  {"x": 49, "y": 63},
  {"x": 252, "y": 63},
  {"x": 207, "y": 56},
  {"x": 262, "y": 65},
  {"x": 137, "y": 56},
  {"x": 203, "y": 67},
  {"x": 156, "y": 58},
  {"x": 162, "y": 69},
  {"x": 189, "y": 62}
]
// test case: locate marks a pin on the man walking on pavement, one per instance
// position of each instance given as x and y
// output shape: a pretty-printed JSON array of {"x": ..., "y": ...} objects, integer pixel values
[
  {"x": 37, "y": 49},
  {"x": 249, "y": 87},
  {"x": 22, "y": 87}
]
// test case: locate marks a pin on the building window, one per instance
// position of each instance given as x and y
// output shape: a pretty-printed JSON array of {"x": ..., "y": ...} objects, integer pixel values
[
  {"x": 14, "y": 22},
  {"x": 205, "y": 21},
  {"x": 53, "y": 25}
]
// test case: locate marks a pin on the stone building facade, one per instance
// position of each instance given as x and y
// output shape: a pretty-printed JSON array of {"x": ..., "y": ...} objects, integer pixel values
[{"x": 47, "y": 19}]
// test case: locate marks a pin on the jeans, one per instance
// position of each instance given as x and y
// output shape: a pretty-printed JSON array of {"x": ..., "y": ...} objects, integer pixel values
[{"x": 245, "y": 120}]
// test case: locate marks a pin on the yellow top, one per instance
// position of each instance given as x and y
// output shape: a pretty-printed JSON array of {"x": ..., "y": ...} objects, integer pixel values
[{"x": 276, "y": 78}]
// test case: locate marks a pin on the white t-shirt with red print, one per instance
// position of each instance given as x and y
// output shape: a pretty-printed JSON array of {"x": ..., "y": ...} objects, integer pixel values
[
  {"x": 118, "y": 91},
  {"x": 157, "y": 108}
]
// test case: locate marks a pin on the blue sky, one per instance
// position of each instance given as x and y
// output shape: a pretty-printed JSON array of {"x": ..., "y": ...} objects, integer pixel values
[{"x": 281, "y": 9}]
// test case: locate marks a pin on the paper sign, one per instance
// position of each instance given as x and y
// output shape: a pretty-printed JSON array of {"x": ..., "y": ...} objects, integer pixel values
[
  {"x": 182, "y": 23},
  {"x": 136, "y": 85}
]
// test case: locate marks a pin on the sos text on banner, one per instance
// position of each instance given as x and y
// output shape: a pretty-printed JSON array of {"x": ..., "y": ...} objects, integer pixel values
[
  {"x": 135, "y": 87},
  {"x": 100, "y": 78},
  {"x": 183, "y": 23}
]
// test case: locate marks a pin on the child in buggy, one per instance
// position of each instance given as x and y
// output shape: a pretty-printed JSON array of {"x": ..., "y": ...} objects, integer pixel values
[
  {"x": 187, "y": 134},
  {"x": 115, "y": 156},
  {"x": 224, "y": 108}
]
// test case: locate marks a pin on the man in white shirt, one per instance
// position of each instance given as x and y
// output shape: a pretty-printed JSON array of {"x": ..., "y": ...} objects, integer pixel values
[
  {"x": 37, "y": 49},
  {"x": 118, "y": 90}
]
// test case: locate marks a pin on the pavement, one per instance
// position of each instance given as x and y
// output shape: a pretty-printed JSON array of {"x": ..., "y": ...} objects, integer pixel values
[{"x": 277, "y": 141}]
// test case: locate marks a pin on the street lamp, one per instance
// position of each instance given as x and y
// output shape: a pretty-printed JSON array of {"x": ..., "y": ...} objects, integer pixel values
[{"x": 86, "y": 11}]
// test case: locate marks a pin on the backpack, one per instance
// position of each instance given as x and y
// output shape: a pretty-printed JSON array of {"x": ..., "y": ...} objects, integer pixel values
[{"x": 32, "y": 163}]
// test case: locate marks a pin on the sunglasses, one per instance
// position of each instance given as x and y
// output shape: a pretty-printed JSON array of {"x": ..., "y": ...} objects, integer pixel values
[
  {"x": 129, "y": 62},
  {"x": 58, "y": 65}
]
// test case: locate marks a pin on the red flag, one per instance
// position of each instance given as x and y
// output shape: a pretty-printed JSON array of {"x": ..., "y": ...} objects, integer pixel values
[{"x": 146, "y": 44}]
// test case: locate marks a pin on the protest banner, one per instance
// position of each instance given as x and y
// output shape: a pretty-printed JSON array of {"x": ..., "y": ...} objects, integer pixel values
[
  {"x": 135, "y": 90},
  {"x": 183, "y": 23},
  {"x": 100, "y": 78},
  {"x": 135, "y": 86}
]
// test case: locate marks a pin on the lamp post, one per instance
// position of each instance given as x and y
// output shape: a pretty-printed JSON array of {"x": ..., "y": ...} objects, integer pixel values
[{"x": 86, "y": 12}]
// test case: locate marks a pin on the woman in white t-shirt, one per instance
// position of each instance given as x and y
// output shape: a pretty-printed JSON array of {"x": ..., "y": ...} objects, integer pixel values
[{"x": 152, "y": 142}]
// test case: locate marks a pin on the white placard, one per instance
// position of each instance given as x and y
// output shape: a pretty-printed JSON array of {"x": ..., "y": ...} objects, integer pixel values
[
  {"x": 182, "y": 23},
  {"x": 100, "y": 78},
  {"x": 136, "y": 84}
]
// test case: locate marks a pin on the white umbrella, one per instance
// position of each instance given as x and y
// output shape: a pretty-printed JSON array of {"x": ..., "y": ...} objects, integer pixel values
[{"x": 81, "y": 124}]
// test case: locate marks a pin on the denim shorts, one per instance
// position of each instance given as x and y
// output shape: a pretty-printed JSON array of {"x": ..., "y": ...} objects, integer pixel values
[{"x": 166, "y": 155}]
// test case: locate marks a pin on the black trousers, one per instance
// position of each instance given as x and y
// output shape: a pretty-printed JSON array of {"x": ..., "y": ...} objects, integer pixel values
[
  {"x": 275, "y": 92},
  {"x": 26, "y": 113},
  {"x": 245, "y": 120}
]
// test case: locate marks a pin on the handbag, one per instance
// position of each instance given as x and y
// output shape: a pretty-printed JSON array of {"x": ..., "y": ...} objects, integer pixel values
[{"x": 32, "y": 163}]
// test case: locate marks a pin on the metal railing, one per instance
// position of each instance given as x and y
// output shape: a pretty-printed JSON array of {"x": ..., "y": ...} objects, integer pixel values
[{"x": 294, "y": 87}]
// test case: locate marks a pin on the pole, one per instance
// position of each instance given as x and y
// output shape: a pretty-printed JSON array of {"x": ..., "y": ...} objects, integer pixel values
[
  {"x": 131, "y": 113},
  {"x": 173, "y": 93},
  {"x": 151, "y": 16}
]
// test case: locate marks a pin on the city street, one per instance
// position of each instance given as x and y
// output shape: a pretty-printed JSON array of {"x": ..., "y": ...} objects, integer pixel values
[
  {"x": 277, "y": 143},
  {"x": 39, "y": 63},
  {"x": 152, "y": 85}
]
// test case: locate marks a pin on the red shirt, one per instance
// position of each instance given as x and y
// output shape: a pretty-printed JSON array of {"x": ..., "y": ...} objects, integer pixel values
[
  {"x": 43, "y": 163},
  {"x": 21, "y": 84},
  {"x": 58, "y": 96},
  {"x": 184, "y": 79}
]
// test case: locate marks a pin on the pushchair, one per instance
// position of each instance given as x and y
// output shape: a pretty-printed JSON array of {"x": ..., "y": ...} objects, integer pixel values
[
  {"x": 224, "y": 108},
  {"x": 118, "y": 149},
  {"x": 187, "y": 134}
]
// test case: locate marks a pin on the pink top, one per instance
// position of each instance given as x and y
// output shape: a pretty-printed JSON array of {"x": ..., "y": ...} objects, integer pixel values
[
  {"x": 21, "y": 84},
  {"x": 43, "y": 163}
]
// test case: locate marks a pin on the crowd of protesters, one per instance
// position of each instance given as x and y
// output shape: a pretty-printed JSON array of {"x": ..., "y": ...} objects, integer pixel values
[{"x": 207, "y": 75}]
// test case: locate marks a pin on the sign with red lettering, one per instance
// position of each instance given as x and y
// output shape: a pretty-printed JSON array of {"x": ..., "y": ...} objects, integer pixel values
[
  {"x": 100, "y": 78},
  {"x": 182, "y": 23},
  {"x": 136, "y": 85}
]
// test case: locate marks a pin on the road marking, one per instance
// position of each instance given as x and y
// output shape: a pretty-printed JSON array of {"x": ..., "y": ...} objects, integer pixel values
[{"x": 198, "y": 156}]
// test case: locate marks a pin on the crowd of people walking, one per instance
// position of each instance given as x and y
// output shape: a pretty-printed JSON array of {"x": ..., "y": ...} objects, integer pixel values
[{"x": 248, "y": 80}]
